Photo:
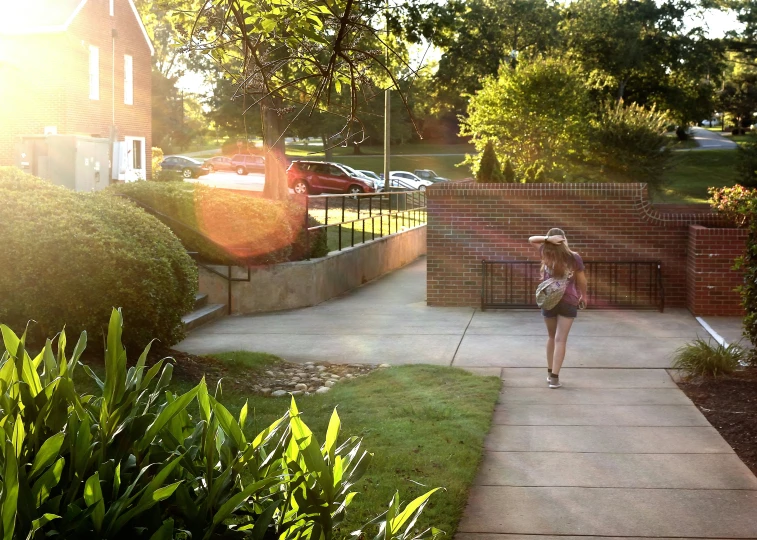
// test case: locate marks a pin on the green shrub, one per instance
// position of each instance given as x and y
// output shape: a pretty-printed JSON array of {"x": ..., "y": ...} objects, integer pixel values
[
  {"x": 509, "y": 172},
  {"x": 702, "y": 358},
  {"x": 68, "y": 258},
  {"x": 223, "y": 227},
  {"x": 746, "y": 164},
  {"x": 630, "y": 144},
  {"x": 136, "y": 461},
  {"x": 157, "y": 158},
  {"x": 739, "y": 205},
  {"x": 489, "y": 169},
  {"x": 319, "y": 242}
]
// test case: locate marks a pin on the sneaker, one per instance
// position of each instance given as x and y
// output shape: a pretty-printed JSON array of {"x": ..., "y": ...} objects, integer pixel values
[{"x": 554, "y": 382}]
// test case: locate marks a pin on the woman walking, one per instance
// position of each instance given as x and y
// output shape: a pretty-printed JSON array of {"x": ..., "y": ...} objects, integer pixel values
[{"x": 557, "y": 260}]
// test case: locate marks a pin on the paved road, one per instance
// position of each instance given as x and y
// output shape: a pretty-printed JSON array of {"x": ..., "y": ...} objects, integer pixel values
[
  {"x": 232, "y": 180},
  {"x": 711, "y": 140}
]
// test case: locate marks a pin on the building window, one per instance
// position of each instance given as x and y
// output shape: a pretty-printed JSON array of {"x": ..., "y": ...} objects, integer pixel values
[
  {"x": 112, "y": 8},
  {"x": 94, "y": 72},
  {"x": 128, "y": 80}
]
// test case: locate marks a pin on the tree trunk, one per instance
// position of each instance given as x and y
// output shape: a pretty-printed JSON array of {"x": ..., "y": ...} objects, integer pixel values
[
  {"x": 621, "y": 89},
  {"x": 275, "y": 155},
  {"x": 327, "y": 150}
]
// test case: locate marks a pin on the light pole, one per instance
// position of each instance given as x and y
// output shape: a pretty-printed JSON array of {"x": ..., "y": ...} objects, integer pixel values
[{"x": 387, "y": 110}]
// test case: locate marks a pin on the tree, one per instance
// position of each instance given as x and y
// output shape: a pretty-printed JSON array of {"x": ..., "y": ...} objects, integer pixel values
[
  {"x": 539, "y": 115},
  {"x": 234, "y": 115},
  {"x": 476, "y": 37},
  {"x": 642, "y": 51},
  {"x": 509, "y": 173},
  {"x": 488, "y": 168},
  {"x": 168, "y": 23},
  {"x": 292, "y": 55},
  {"x": 738, "y": 97},
  {"x": 177, "y": 116}
]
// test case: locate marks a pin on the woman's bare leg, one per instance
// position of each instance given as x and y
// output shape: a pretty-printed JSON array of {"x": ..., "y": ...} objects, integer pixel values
[
  {"x": 563, "y": 325},
  {"x": 551, "y": 323}
]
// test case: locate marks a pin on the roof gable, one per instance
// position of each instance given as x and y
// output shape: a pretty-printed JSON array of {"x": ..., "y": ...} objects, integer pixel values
[
  {"x": 38, "y": 16},
  {"x": 46, "y": 16}
]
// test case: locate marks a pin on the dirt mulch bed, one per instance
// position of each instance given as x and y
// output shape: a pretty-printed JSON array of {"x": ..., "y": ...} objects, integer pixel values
[{"x": 729, "y": 402}]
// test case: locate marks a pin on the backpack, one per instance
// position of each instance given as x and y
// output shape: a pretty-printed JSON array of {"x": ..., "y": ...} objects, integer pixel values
[{"x": 550, "y": 291}]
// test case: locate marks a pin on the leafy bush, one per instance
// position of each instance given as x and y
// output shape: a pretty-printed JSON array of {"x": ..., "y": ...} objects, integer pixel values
[
  {"x": 489, "y": 169},
  {"x": 739, "y": 205},
  {"x": 746, "y": 164},
  {"x": 509, "y": 172},
  {"x": 132, "y": 461},
  {"x": 157, "y": 158},
  {"x": 702, "y": 358},
  {"x": 630, "y": 143},
  {"x": 223, "y": 227},
  {"x": 68, "y": 258},
  {"x": 319, "y": 242}
]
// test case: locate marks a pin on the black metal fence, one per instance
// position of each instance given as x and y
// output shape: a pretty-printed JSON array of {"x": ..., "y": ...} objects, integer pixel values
[
  {"x": 350, "y": 220},
  {"x": 612, "y": 285}
]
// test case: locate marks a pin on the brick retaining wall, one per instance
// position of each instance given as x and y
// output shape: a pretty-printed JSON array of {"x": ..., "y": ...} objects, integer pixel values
[
  {"x": 468, "y": 222},
  {"x": 710, "y": 275}
]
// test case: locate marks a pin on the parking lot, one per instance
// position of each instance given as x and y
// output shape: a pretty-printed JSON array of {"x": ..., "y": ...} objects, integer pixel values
[{"x": 232, "y": 180}]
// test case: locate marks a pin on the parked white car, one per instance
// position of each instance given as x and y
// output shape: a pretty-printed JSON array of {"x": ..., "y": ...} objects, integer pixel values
[
  {"x": 378, "y": 180},
  {"x": 407, "y": 180}
]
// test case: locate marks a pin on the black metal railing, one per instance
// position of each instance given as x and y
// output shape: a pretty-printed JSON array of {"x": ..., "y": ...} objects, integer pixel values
[
  {"x": 612, "y": 284},
  {"x": 351, "y": 220},
  {"x": 176, "y": 225}
]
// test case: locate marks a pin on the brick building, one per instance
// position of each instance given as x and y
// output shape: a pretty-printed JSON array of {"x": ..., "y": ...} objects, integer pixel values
[{"x": 76, "y": 68}]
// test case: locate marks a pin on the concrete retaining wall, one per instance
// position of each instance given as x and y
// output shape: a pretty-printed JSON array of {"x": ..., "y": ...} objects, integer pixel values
[{"x": 307, "y": 283}]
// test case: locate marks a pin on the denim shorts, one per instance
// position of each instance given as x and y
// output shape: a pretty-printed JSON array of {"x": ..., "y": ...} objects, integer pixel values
[{"x": 564, "y": 309}]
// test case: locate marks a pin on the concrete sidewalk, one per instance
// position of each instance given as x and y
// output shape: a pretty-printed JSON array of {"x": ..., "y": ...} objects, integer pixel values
[
  {"x": 618, "y": 452},
  {"x": 615, "y": 453},
  {"x": 388, "y": 321}
]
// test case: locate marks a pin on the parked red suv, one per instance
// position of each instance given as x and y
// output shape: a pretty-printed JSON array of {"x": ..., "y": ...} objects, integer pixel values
[{"x": 316, "y": 177}]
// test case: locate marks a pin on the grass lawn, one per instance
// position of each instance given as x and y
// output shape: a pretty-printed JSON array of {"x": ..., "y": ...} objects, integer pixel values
[
  {"x": 359, "y": 231},
  {"x": 743, "y": 139},
  {"x": 693, "y": 172},
  {"x": 675, "y": 144},
  {"x": 424, "y": 424}
]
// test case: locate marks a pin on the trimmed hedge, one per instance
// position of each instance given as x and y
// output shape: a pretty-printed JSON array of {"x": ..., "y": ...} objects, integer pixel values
[
  {"x": 68, "y": 258},
  {"x": 224, "y": 227}
]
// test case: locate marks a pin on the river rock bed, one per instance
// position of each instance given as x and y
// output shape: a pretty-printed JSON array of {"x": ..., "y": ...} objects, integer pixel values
[{"x": 306, "y": 379}]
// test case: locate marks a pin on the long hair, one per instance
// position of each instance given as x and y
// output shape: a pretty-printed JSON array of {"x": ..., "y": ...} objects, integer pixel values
[{"x": 557, "y": 259}]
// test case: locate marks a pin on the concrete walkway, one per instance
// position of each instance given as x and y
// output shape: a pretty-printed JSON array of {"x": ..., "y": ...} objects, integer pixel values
[{"x": 618, "y": 452}]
